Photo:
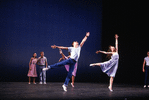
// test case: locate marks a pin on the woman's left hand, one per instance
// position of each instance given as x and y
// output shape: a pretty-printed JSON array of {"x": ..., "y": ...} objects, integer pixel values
[{"x": 116, "y": 36}]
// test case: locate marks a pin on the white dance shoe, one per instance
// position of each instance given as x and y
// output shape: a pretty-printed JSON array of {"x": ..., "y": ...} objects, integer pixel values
[
  {"x": 40, "y": 82},
  {"x": 72, "y": 85},
  {"x": 45, "y": 69},
  {"x": 92, "y": 65},
  {"x": 64, "y": 88},
  {"x": 146, "y": 86}
]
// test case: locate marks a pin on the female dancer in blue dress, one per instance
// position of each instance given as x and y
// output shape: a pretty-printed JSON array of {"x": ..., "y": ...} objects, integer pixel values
[{"x": 110, "y": 67}]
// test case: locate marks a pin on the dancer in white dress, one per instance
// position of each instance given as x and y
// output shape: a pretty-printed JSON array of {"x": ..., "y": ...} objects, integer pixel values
[{"x": 110, "y": 67}]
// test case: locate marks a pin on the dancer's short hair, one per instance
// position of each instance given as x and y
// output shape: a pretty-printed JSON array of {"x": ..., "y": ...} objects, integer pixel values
[
  {"x": 41, "y": 52},
  {"x": 72, "y": 43}
]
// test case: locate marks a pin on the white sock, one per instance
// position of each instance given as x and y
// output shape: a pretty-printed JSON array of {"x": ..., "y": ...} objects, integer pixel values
[
  {"x": 91, "y": 64},
  {"x": 49, "y": 67}
]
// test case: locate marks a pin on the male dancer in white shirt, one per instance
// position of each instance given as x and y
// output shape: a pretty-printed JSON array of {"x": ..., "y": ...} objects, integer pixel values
[
  {"x": 42, "y": 62},
  {"x": 146, "y": 69},
  {"x": 75, "y": 54}
]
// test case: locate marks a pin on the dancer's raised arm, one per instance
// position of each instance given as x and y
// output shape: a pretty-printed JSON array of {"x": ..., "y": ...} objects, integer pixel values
[
  {"x": 116, "y": 42},
  {"x": 63, "y": 56},
  {"x": 59, "y": 47},
  {"x": 84, "y": 39}
]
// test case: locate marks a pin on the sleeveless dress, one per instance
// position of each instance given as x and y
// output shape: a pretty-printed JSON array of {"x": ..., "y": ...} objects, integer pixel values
[
  {"x": 32, "y": 72},
  {"x": 75, "y": 68},
  {"x": 110, "y": 67}
]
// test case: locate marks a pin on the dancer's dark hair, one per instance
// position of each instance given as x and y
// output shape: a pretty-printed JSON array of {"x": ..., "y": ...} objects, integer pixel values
[
  {"x": 33, "y": 55},
  {"x": 72, "y": 43}
]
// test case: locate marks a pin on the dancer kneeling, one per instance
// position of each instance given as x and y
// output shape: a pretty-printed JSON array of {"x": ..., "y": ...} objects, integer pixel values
[
  {"x": 75, "y": 54},
  {"x": 110, "y": 67}
]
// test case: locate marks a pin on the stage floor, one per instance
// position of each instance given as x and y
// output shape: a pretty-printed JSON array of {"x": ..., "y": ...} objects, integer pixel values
[{"x": 22, "y": 90}]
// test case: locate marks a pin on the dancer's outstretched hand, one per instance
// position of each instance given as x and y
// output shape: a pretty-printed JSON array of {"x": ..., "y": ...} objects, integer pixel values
[
  {"x": 60, "y": 51},
  {"x": 87, "y": 34},
  {"x": 97, "y": 52},
  {"x": 53, "y": 46}
]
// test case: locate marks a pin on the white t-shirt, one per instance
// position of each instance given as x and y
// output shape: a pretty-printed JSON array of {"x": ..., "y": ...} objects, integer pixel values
[
  {"x": 75, "y": 52},
  {"x": 147, "y": 60},
  {"x": 42, "y": 61}
]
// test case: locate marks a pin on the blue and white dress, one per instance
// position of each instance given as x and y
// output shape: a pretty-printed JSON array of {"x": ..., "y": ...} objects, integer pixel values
[{"x": 110, "y": 67}]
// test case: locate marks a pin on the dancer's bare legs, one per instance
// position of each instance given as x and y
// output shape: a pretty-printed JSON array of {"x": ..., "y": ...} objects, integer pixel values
[
  {"x": 29, "y": 80},
  {"x": 111, "y": 83},
  {"x": 95, "y": 64},
  {"x": 34, "y": 80},
  {"x": 73, "y": 78},
  {"x": 111, "y": 78}
]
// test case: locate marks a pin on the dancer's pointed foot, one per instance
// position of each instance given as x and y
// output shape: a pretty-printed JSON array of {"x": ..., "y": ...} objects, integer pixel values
[
  {"x": 64, "y": 88},
  {"x": 72, "y": 85},
  {"x": 110, "y": 89},
  {"x": 45, "y": 69},
  {"x": 92, "y": 65}
]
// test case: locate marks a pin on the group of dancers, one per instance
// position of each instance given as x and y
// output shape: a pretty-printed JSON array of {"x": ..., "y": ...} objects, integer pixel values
[
  {"x": 42, "y": 62},
  {"x": 70, "y": 62}
]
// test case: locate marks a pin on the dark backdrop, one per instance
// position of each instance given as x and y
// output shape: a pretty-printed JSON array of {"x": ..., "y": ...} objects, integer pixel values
[
  {"x": 127, "y": 18},
  {"x": 32, "y": 26},
  {"x": 29, "y": 26}
]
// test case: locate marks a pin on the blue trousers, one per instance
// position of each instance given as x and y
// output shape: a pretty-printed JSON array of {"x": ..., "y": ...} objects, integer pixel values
[
  {"x": 146, "y": 82},
  {"x": 42, "y": 73},
  {"x": 71, "y": 64}
]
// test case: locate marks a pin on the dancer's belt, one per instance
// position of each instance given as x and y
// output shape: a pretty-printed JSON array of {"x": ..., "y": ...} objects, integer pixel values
[{"x": 74, "y": 60}]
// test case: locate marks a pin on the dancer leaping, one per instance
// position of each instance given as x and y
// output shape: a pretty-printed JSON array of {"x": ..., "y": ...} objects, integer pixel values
[
  {"x": 67, "y": 66},
  {"x": 75, "y": 54},
  {"x": 110, "y": 67}
]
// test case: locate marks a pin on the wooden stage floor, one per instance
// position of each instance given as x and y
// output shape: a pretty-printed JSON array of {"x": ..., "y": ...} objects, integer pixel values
[{"x": 53, "y": 90}]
